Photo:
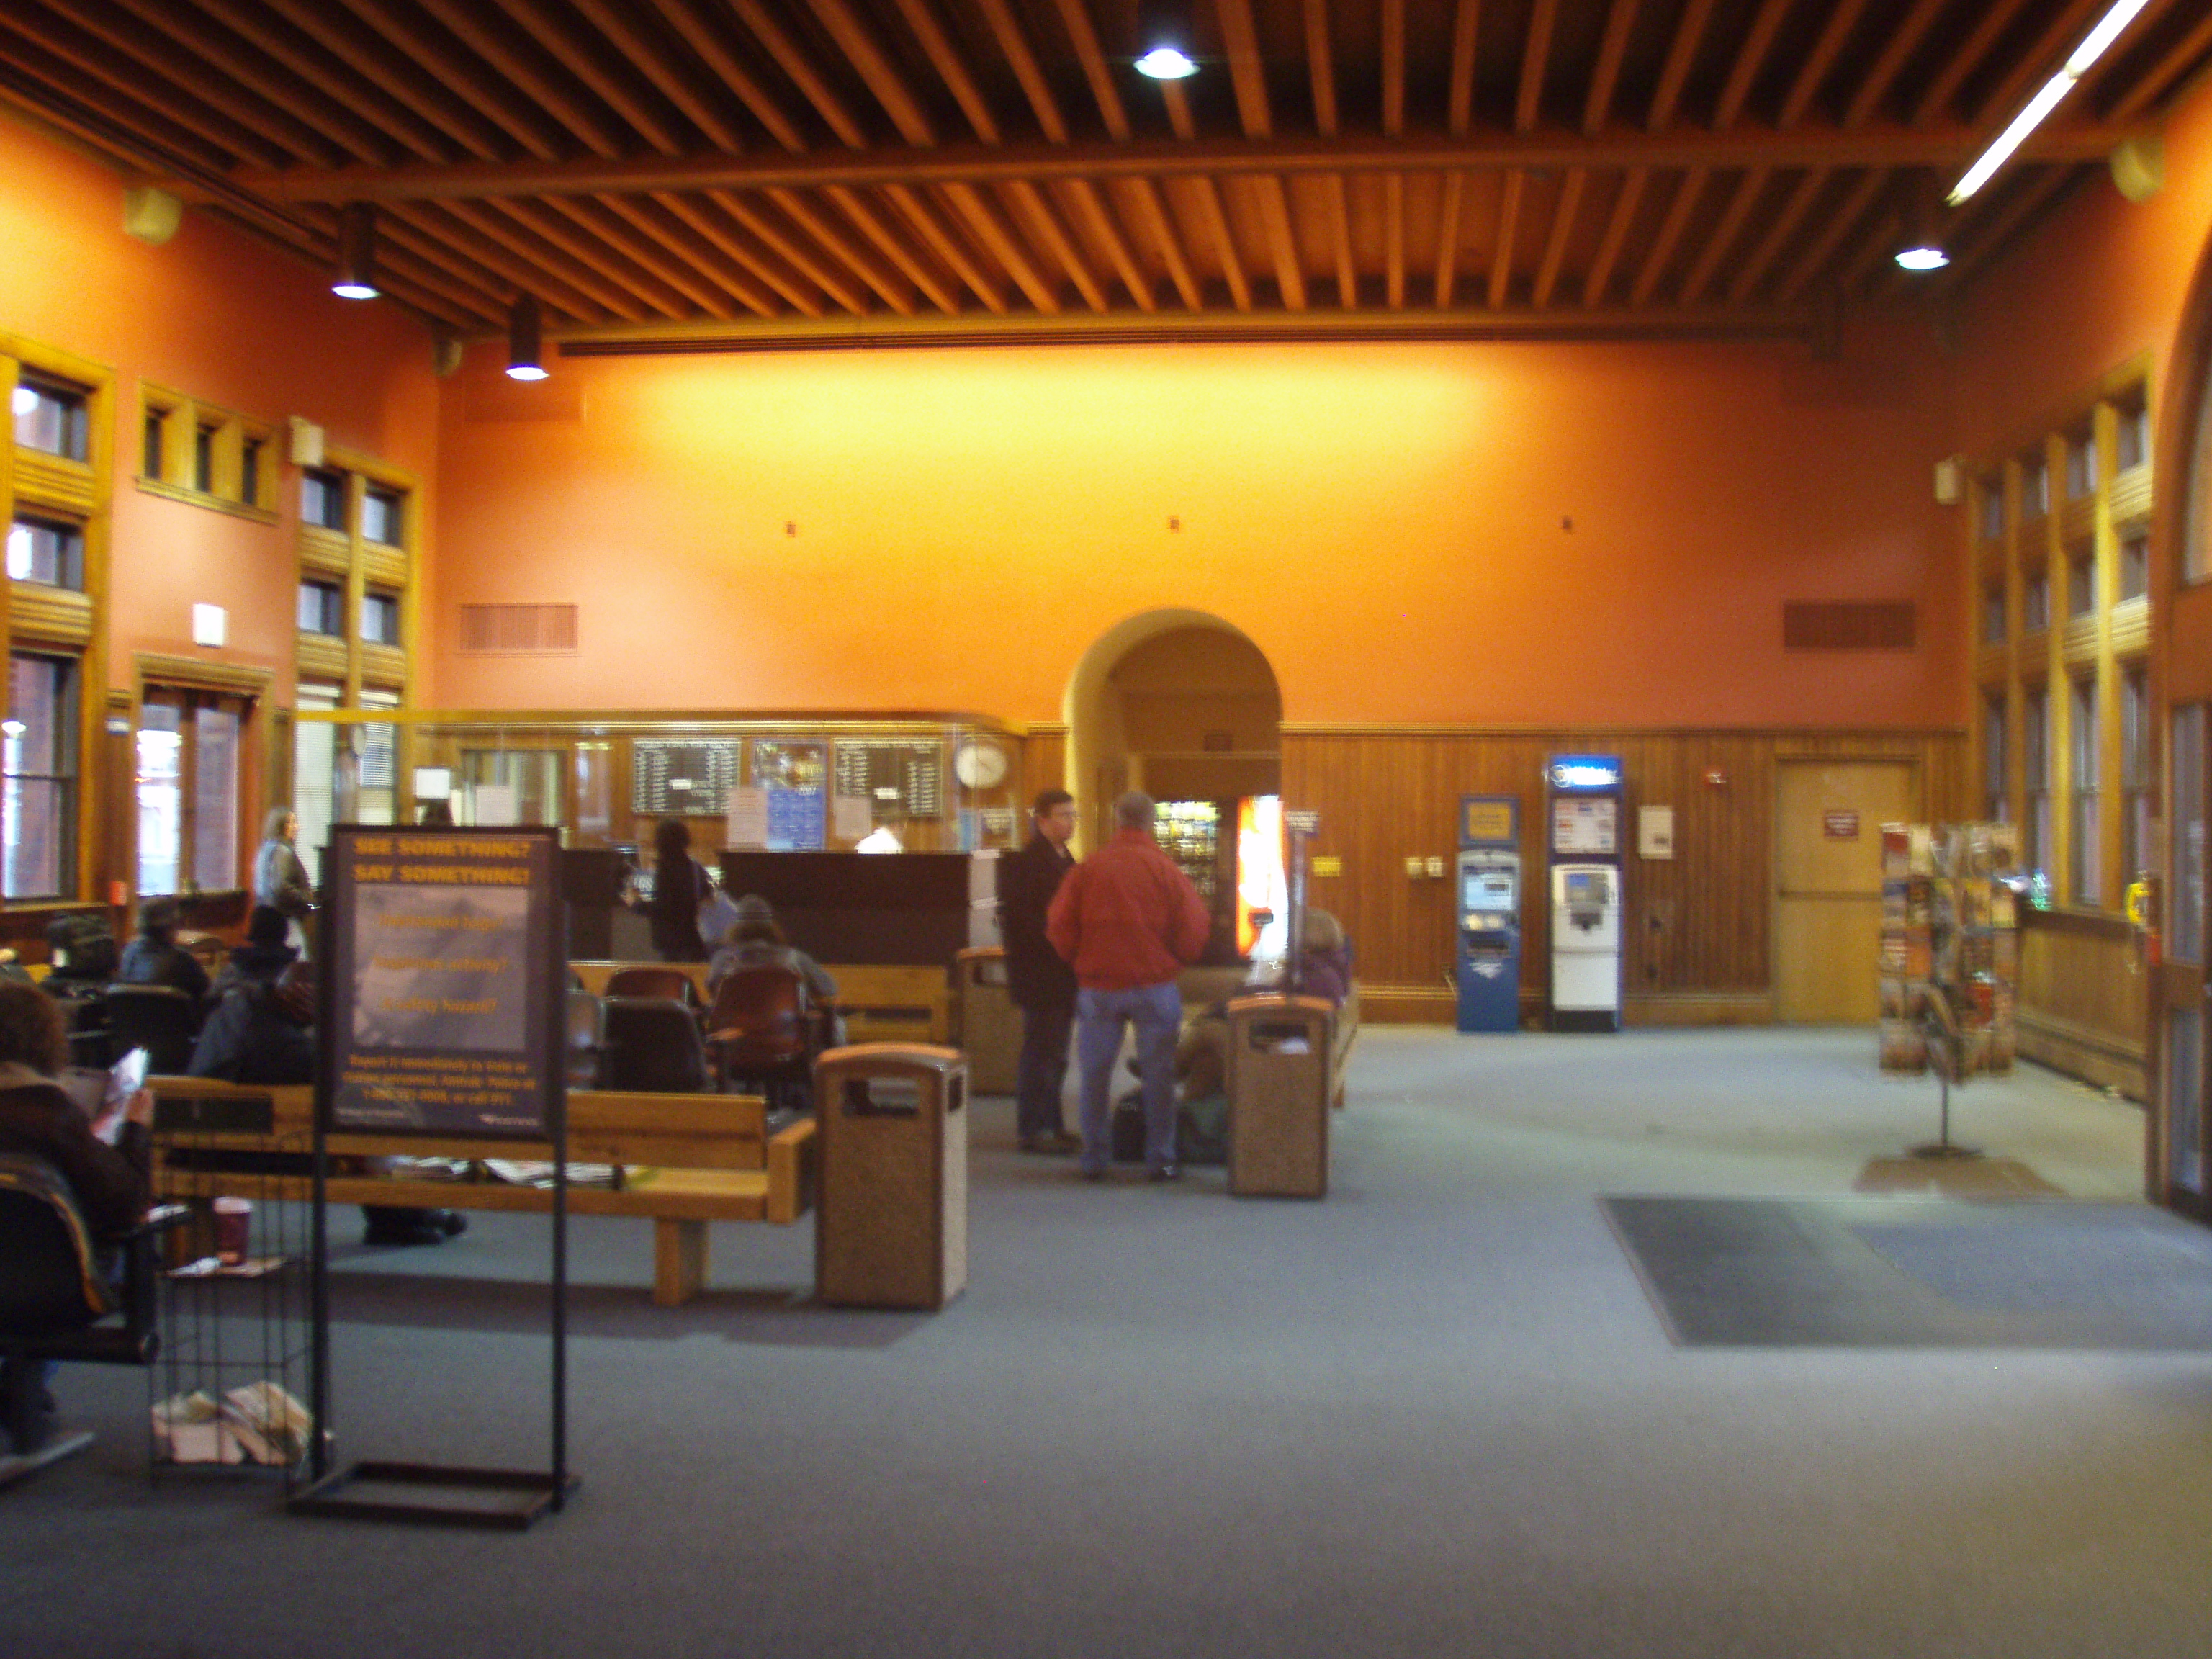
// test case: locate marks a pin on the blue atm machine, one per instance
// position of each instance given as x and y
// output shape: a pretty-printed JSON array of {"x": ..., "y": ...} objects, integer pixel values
[{"x": 1488, "y": 959}]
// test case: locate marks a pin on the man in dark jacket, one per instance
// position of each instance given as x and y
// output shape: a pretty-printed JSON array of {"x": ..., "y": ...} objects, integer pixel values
[
  {"x": 1128, "y": 921},
  {"x": 1042, "y": 983},
  {"x": 155, "y": 957}
]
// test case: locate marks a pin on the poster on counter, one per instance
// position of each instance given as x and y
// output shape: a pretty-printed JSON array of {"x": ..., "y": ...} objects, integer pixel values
[
  {"x": 748, "y": 818},
  {"x": 440, "y": 977}
]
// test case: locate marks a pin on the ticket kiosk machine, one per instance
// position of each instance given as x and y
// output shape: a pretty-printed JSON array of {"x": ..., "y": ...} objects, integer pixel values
[
  {"x": 1488, "y": 960},
  {"x": 1584, "y": 795}
]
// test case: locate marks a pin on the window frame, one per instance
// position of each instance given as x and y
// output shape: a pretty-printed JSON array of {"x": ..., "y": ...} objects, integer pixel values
[{"x": 66, "y": 782}]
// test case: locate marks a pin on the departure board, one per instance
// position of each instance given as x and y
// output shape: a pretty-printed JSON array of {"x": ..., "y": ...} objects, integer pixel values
[
  {"x": 908, "y": 772},
  {"x": 674, "y": 778}
]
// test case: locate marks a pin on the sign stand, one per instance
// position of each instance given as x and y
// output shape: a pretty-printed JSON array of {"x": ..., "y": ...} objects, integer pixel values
[{"x": 442, "y": 952}]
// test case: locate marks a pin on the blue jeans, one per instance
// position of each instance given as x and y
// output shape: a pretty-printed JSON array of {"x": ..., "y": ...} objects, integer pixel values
[
  {"x": 1043, "y": 1069},
  {"x": 1155, "y": 1011}
]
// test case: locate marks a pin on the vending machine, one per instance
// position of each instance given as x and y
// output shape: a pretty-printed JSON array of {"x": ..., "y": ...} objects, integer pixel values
[
  {"x": 1584, "y": 796},
  {"x": 1487, "y": 962}
]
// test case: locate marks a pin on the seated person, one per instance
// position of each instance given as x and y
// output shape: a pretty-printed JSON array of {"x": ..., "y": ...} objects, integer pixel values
[
  {"x": 155, "y": 957},
  {"x": 755, "y": 940},
  {"x": 263, "y": 1032},
  {"x": 81, "y": 954},
  {"x": 262, "y": 959},
  {"x": 1324, "y": 959},
  {"x": 110, "y": 1183}
]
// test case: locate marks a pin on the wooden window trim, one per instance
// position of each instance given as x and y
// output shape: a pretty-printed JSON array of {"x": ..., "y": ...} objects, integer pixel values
[{"x": 183, "y": 418}]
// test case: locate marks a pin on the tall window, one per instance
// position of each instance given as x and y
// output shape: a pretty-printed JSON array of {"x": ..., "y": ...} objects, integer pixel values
[
  {"x": 2035, "y": 771},
  {"x": 381, "y": 512},
  {"x": 37, "y": 779},
  {"x": 2083, "y": 884},
  {"x": 1992, "y": 508},
  {"x": 2080, "y": 464},
  {"x": 322, "y": 499},
  {"x": 2035, "y": 486},
  {"x": 2135, "y": 771},
  {"x": 52, "y": 418},
  {"x": 1993, "y": 612},
  {"x": 189, "y": 744},
  {"x": 2081, "y": 582},
  {"x": 2135, "y": 565},
  {"x": 2131, "y": 442},
  {"x": 380, "y": 617},
  {"x": 2035, "y": 601},
  {"x": 1996, "y": 803},
  {"x": 50, "y": 550}
]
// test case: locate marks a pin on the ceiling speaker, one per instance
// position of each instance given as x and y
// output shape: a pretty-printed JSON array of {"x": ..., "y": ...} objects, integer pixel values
[{"x": 307, "y": 445}]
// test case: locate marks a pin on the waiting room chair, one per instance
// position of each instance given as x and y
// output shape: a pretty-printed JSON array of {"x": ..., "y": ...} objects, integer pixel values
[
  {"x": 586, "y": 1039},
  {"x": 761, "y": 1031},
  {"x": 651, "y": 1045},
  {"x": 651, "y": 980},
  {"x": 161, "y": 1019},
  {"x": 56, "y": 1304}
]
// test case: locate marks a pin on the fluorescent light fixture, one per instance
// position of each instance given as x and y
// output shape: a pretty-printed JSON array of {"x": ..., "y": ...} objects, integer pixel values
[
  {"x": 1923, "y": 257},
  {"x": 26, "y": 400},
  {"x": 2109, "y": 29},
  {"x": 1166, "y": 63}
]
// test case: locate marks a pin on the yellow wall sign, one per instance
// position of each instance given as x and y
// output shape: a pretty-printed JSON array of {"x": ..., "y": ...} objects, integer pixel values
[
  {"x": 1488, "y": 820},
  {"x": 1327, "y": 865}
]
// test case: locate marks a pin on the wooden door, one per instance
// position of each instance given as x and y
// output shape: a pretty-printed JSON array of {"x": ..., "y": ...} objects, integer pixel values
[{"x": 1827, "y": 903}]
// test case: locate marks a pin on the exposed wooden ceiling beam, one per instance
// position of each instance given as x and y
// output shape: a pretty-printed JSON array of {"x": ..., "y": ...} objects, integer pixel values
[
  {"x": 1780, "y": 230},
  {"x": 952, "y": 68},
  {"x": 1090, "y": 205},
  {"x": 2040, "y": 62},
  {"x": 999, "y": 239},
  {"x": 435, "y": 238},
  {"x": 2178, "y": 57},
  {"x": 1666, "y": 92},
  {"x": 1534, "y": 58},
  {"x": 1904, "y": 40},
  {"x": 403, "y": 32},
  {"x": 345, "y": 37},
  {"x": 315, "y": 64},
  {"x": 910, "y": 261},
  {"x": 1625, "y": 204},
  {"x": 1662, "y": 252},
  {"x": 1597, "y": 107},
  {"x": 1447, "y": 239},
  {"x": 677, "y": 236},
  {"x": 1177, "y": 102},
  {"x": 1247, "y": 77},
  {"x": 781, "y": 261},
  {"x": 796, "y": 64},
  {"x": 922, "y": 214},
  {"x": 611, "y": 221},
  {"x": 1884, "y": 146},
  {"x": 498, "y": 50},
  {"x": 1030, "y": 203},
  {"x": 1394, "y": 241},
  {"x": 525, "y": 227},
  {"x": 1467, "y": 28},
  {"x": 868, "y": 56},
  {"x": 1509, "y": 227},
  {"x": 1215, "y": 218},
  {"x": 1152, "y": 208},
  {"x": 1989, "y": 24},
  {"x": 1844, "y": 221},
  {"x": 1843, "y": 18},
  {"x": 654, "y": 65},
  {"x": 1283, "y": 242},
  {"x": 1555, "y": 246},
  {"x": 1750, "y": 57},
  {"x": 1321, "y": 67},
  {"x": 714, "y": 52},
  {"x": 1021, "y": 57},
  {"x": 1981, "y": 240},
  {"x": 1339, "y": 241},
  {"x": 461, "y": 226},
  {"x": 1394, "y": 67},
  {"x": 1075, "y": 17},
  {"x": 587, "y": 60},
  {"x": 894, "y": 291},
  {"x": 1723, "y": 235}
]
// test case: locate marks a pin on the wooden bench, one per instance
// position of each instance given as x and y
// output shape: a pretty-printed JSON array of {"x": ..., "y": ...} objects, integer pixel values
[
  {"x": 689, "y": 1160},
  {"x": 880, "y": 1002}
]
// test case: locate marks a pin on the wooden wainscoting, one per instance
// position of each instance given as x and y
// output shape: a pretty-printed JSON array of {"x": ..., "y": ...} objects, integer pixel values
[
  {"x": 2084, "y": 991},
  {"x": 1699, "y": 940}
]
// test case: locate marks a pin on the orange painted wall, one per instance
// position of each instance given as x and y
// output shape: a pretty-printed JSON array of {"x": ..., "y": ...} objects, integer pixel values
[
  {"x": 1389, "y": 523},
  {"x": 215, "y": 316}
]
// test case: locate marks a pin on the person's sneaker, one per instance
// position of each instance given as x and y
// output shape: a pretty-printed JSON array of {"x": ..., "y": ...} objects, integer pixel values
[
  {"x": 1165, "y": 1172},
  {"x": 1052, "y": 1143}
]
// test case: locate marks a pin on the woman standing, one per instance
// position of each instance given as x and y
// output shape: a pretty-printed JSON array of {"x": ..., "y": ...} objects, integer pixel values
[
  {"x": 280, "y": 880},
  {"x": 680, "y": 886}
]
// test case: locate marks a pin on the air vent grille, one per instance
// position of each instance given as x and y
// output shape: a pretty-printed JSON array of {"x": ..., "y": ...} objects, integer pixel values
[
  {"x": 517, "y": 629},
  {"x": 1878, "y": 625}
]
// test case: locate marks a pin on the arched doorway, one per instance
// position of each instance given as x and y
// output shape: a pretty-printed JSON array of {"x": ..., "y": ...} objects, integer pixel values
[{"x": 1178, "y": 703}]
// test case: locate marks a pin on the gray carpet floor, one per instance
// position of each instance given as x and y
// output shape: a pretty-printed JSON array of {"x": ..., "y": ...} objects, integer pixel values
[{"x": 1437, "y": 1413}]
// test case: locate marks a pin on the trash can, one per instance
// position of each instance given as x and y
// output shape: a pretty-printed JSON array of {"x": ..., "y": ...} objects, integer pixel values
[
  {"x": 990, "y": 1024},
  {"x": 891, "y": 1223},
  {"x": 1279, "y": 1058}
]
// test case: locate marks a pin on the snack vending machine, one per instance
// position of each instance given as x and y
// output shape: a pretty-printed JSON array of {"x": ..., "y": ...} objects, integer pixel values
[
  {"x": 1584, "y": 794},
  {"x": 1487, "y": 962}
]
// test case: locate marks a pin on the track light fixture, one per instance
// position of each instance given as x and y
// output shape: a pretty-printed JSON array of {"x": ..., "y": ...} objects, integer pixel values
[
  {"x": 2108, "y": 29},
  {"x": 356, "y": 273},
  {"x": 1920, "y": 247},
  {"x": 525, "y": 330}
]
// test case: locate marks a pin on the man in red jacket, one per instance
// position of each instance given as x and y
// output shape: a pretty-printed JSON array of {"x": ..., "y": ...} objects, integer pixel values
[{"x": 1126, "y": 919}]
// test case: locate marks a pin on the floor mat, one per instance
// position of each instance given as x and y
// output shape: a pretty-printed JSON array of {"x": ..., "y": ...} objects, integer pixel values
[{"x": 1919, "y": 1273}]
